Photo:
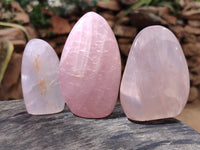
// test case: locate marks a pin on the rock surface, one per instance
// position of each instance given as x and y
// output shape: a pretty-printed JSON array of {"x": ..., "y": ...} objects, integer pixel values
[
  {"x": 90, "y": 68},
  {"x": 60, "y": 25},
  {"x": 40, "y": 68},
  {"x": 124, "y": 31},
  {"x": 111, "y": 5},
  {"x": 10, "y": 87},
  {"x": 194, "y": 94},
  {"x": 63, "y": 131},
  {"x": 155, "y": 82}
]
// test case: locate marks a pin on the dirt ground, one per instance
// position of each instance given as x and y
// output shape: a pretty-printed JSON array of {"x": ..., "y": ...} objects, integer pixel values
[{"x": 191, "y": 115}]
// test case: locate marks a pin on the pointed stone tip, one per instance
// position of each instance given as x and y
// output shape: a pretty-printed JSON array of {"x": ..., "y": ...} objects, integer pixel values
[
  {"x": 158, "y": 28},
  {"x": 36, "y": 40},
  {"x": 93, "y": 14},
  {"x": 37, "y": 44}
]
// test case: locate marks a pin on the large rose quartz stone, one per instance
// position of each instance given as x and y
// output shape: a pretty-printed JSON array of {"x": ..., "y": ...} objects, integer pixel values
[
  {"x": 155, "y": 83},
  {"x": 40, "y": 69},
  {"x": 90, "y": 68}
]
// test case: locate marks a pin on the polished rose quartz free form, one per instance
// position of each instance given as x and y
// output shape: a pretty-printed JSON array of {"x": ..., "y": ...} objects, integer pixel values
[
  {"x": 90, "y": 68},
  {"x": 155, "y": 83},
  {"x": 40, "y": 68}
]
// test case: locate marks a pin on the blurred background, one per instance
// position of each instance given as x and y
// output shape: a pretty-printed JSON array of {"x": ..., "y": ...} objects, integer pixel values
[{"x": 52, "y": 20}]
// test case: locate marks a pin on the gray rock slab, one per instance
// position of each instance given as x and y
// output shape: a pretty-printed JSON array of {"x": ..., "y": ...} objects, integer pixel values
[{"x": 21, "y": 131}]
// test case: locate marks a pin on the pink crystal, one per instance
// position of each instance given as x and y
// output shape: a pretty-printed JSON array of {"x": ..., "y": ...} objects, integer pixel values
[
  {"x": 90, "y": 68},
  {"x": 40, "y": 85},
  {"x": 155, "y": 83}
]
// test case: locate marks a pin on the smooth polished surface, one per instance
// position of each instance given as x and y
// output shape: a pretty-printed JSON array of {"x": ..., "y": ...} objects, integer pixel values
[
  {"x": 40, "y": 85},
  {"x": 155, "y": 83},
  {"x": 90, "y": 68}
]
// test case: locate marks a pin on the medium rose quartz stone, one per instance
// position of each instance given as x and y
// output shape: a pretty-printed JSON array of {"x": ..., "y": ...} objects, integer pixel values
[
  {"x": 40, "y": 68},
  {"x": 155, "y": 83},
  {"x": 90, "y": 68}
]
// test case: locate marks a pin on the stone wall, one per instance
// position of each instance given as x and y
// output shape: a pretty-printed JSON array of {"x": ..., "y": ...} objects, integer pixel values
[{"x": 185, "y": 25}]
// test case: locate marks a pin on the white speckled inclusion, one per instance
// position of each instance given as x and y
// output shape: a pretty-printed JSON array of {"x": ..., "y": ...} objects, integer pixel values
[{"x": 40, "y": 68}]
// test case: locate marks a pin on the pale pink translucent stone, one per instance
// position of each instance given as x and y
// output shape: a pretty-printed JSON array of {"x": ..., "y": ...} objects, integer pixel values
[
  {"x": 155, "y": 83},
  {"x": 90, "y": 68},
  {"x": 40, "y": 85}
]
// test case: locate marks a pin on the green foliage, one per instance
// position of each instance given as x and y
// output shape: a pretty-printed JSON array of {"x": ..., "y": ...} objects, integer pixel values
[
  {"x": 173, "y": 5},
  {"x": 66, "y": 7},
  {"x": 5, "y": 9},
  {"x": 38, "y": 18},
  {"x": 50, "y": 33},
  {"x": 25, "y": 3},
  {"x": 7, "y": 2},
  {"x": 69, "y": 6}
]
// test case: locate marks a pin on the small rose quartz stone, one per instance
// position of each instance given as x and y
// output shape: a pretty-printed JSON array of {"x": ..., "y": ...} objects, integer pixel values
[
  {"x": 155, "y": 83},
  {"x": 40, "y": 85},
  {"x": 90, "y": 68}
]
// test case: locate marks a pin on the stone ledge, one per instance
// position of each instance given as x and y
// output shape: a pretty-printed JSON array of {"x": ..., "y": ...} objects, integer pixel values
[{"x": 20, "y": 130}]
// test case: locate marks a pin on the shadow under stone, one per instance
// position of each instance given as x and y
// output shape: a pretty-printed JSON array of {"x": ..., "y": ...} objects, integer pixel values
[{"x": 157, "y": 122}]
